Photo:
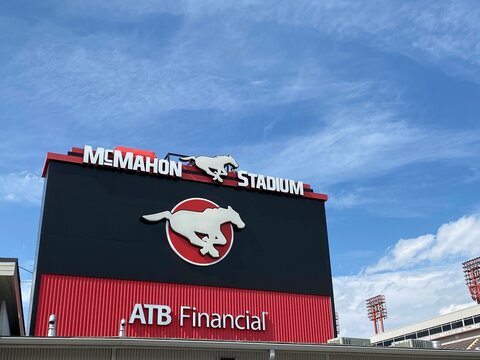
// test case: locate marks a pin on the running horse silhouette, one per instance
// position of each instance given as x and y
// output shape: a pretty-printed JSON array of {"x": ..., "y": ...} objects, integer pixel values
[
  {"x": 191, "y": 223},
  {"x": 213, "y": 166}
]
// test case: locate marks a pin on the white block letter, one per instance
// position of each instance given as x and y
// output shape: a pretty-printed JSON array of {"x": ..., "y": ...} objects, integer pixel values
[{"x": 137, "y": 314}]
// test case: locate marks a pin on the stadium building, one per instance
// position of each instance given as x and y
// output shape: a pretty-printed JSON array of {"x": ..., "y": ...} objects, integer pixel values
[
  {"x": 456, "y": 330},
  {"x": 179, "y": 251},
  {"x": 184, "y": 257}
]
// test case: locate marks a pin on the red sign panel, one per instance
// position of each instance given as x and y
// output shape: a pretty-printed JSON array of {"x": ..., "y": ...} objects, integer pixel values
[{"x": 94, "y": 307}]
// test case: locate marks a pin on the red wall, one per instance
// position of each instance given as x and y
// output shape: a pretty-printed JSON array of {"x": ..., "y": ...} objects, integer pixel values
[{"x": 94, "y": 307}]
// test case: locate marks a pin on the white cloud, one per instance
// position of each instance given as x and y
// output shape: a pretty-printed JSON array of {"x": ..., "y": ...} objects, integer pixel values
[
  {"x": 420, "y": 278},
  {"x": 411, "y": 296},
  {"x": 21, "y": 187},
  {"x": 452, "y": 240}
]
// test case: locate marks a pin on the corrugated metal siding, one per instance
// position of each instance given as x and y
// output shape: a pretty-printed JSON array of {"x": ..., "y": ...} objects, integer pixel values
[
  {"x": 127, "y": 354},
  {"x": 287, "y": 355},
  {"x": 283, "y": 355},
  {"x": 160, "y": 354},
  {"x": 51, "y": 354},
  {"x": 93, "y": 307},
  {"x": 389, "y": 357},
  {"x": 85, "y": 353}
]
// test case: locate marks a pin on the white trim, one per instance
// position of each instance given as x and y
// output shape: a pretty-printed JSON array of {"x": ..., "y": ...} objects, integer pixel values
[{"x": 7, "y": 268}]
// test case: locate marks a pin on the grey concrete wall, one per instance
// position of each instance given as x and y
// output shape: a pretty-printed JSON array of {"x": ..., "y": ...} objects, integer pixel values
[{"x": 4, "y": 325}]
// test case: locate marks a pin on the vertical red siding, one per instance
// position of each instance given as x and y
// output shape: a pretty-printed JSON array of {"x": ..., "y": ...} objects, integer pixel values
[{"x": 94, "y": 307}]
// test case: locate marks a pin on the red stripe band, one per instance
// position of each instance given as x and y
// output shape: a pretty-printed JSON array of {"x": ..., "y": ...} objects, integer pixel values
[{"x": 94, "y": 307}]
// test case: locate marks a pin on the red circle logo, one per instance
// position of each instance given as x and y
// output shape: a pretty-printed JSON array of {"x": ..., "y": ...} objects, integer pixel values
[{"x": 201, "y": 232}]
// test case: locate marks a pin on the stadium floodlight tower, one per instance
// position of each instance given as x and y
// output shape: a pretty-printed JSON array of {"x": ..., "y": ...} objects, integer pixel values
[
  {"x": 377, "y": 311},
  {"x": 471, "y": 268}
]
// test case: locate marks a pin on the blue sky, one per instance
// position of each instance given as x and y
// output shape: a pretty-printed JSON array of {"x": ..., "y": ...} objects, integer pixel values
[{"x": 376, "y": 103}]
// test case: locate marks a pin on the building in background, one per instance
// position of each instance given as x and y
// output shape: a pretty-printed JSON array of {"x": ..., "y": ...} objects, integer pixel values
[
  {"x": 11, "y": 311},
  {"x": 457, "y": 330}
]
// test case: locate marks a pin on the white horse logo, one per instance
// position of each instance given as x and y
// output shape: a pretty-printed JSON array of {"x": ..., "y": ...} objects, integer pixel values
[
  {"x": 213, "y": 166},
  {"x": 190, "y": 223}
]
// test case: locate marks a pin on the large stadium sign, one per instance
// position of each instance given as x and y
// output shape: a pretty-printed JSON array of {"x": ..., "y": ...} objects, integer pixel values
[
  {"x": 147, "y": 162},
  {"x": 193, "y": 248}
]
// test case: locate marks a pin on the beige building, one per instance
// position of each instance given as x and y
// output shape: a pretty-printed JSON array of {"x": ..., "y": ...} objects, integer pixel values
[
  {"x": 11, "y": 312},
  {"x": 457, "y": 330}
]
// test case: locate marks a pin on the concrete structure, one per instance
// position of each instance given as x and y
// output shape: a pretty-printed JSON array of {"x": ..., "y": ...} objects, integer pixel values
[
  {"x": 142, "y": 349},
  {"x": 458, "y": 326},
  {"x": 11, "y": 313}
]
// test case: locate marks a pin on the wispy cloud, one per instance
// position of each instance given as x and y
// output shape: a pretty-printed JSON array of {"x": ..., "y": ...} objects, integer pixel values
[
  {"x": 360, "y": 142},
  {"x": 445, "y": 33},
  {"x": 474, "y": 175},
  {"x": 22, "y": 187},
  {"x": 352, "y": 197},
  {"x": 442, "y": 33},
  {"x": 110, "y": 73}
]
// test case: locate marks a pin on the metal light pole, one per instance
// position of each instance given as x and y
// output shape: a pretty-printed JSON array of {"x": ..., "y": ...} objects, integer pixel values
[{"x": 377, "y": 311}]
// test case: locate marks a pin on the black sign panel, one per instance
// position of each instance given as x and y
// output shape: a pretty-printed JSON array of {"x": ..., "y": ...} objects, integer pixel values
[{"x": 91, "y": 227}]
